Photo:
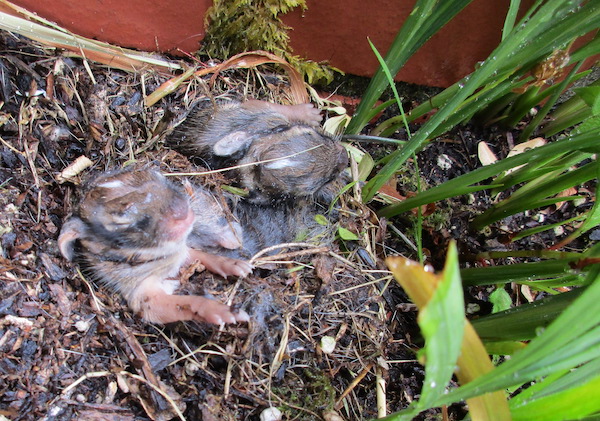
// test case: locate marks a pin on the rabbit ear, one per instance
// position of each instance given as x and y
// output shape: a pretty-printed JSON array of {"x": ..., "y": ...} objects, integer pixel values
[
  {"x": 72, "y": 229},
  {"x": 233, "y": 144},
  {"x": 282, "y": 163}
]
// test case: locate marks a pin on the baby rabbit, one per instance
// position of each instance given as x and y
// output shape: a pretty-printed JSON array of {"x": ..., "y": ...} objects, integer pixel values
[
  {"x": 130, "y": 232},
  {"x": 270, "y": 225},
  {"x": 296, "y": 158},
  {"x": 214, "y": 224}
]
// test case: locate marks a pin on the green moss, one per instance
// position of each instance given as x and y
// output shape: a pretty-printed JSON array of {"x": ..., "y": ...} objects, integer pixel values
[
  {"x": 313, "y": 392},
  {"x": 236, "y": 26}
]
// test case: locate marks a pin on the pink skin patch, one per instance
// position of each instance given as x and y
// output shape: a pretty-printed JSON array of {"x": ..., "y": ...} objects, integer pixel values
[
  {"x": 178, "y": 229},
  {"x": 221, "y": 265}
]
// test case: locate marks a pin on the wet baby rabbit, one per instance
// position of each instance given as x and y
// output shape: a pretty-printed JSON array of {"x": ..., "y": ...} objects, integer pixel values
[
  {"x": 295, "y": 158},
  {"x": 131, "y": 232}
]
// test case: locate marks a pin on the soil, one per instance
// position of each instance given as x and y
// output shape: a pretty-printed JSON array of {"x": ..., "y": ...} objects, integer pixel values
[{"x": 71, "y": 349}]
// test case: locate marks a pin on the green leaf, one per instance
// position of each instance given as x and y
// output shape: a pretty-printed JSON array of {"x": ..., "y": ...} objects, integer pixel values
[
  {"x": 570, "y": 404},
  {"x": 542, "y": 228},
  {"x": 519, "y": 272},
  {"x": 235, "y": 190},
  {"x": 572, "y": 339},
  {"x": 390, "y": 80},
  {"x": 590, "y": 123},
  {"x": 521, "y": 107},
  {"x": 427, "y": 17},
  {"x": 523, "y": 322},
  {"x": 442, "y": 323},
  {"x": 511, "y": 18},
  {"x": 533, "y": 194},
  {"x": 464, "y": 183},
  {"x": 472, "y": 361},
  {"x": 346, "y": 234},
  {"x": 365, "y": 166},
  {"x": 321, "y": 220},
  {"x": 500, "y": 299},
  {"x": 544, "y": 28},
  {"x": 503, "y": 347},
  {"x": 591, "y": 96},
  {"x": 543, "y": 112},
  {"x": 593, "y": 216},
  {"x": 548, "y": 165}
]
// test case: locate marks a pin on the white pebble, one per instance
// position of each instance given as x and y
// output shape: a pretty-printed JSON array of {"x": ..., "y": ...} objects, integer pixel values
[
  {"x": 271, "y": 414},
  {"x": 82, "y": 326},
  {"x": 328, "y": 344},
  {"x": 444, "y": 162},
  {"x": 191, "y": 368}
]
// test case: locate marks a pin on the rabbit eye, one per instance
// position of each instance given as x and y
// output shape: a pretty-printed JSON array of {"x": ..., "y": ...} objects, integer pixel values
[
  {"x": 123, "y": 217},
  {"x": 121, "y": 220}
]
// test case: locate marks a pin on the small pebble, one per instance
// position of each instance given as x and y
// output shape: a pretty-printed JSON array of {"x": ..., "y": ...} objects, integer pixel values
[
  {"x": 444, "y": 162},
  {"x": 55, "y": 411},
  {"x": 191, "y": 368},
  {"x": 271, "y": 414},
  {"x": 120, "y": 143},
  {"x": 82, "y": 325},
  {"x": 473, "y": 308},
  {"x": 327, "y": 344},
  {"x": 331, "y": 415}
]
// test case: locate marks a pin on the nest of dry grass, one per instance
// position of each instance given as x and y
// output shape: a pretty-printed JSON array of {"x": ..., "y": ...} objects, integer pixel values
[{"x": 325, "y": 329}]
